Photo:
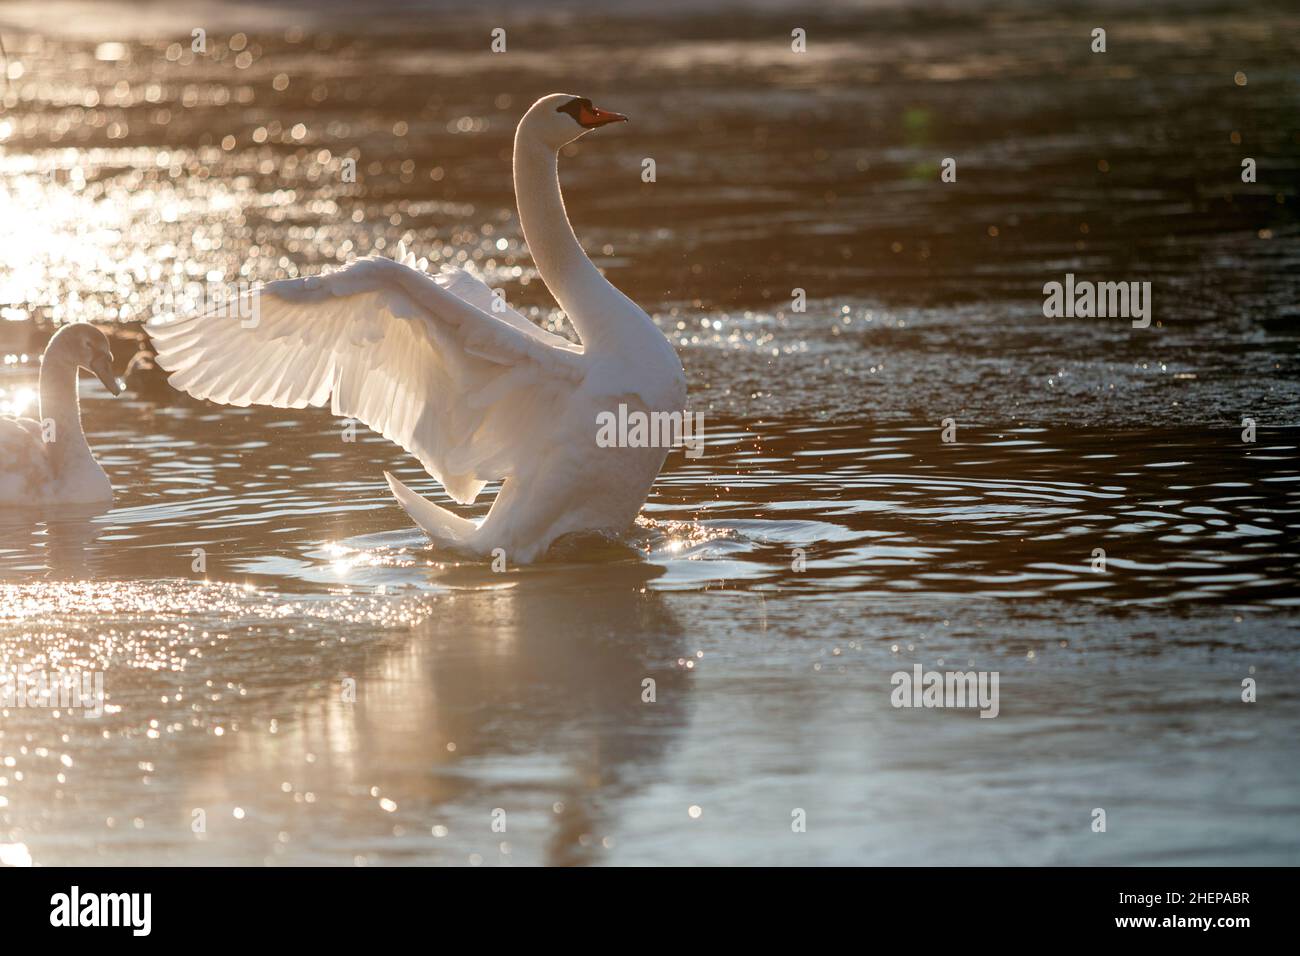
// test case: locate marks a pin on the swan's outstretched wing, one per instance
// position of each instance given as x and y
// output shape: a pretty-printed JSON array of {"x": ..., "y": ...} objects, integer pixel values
[{"x": 463, "y": 388}]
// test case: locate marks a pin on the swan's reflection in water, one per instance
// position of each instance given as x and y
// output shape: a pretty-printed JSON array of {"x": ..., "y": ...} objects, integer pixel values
[
  {"x": 520, "y": 699},
  {"x": 59, "y": 541},
  {"x": 547, "y": 669}
]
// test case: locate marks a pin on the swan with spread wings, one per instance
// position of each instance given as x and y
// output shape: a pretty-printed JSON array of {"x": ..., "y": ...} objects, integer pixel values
[{"x": 471, "y": 388}]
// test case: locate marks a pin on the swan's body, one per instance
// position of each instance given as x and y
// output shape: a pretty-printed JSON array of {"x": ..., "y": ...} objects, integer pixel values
[
  {"x": 470, "y": 387},
  {"x": 49, "y": 462}
]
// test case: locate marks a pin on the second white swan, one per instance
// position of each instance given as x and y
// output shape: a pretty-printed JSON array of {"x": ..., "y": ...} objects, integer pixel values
[
  {"x": 472, "y": 389},
  {"x": 49, "y": 462}
]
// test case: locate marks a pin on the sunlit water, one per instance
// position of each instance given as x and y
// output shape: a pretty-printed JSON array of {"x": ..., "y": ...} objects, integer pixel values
[{"x": 293, "y": 676}]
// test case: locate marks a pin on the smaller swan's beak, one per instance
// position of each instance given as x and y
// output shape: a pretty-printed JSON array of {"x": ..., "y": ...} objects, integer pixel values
[
  {"x": 597, "y": 117},
  {"x": 102, "y": 366}
]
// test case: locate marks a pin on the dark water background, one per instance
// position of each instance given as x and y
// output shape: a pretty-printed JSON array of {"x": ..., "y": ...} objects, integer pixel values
[{"x": 127, "y": 164}]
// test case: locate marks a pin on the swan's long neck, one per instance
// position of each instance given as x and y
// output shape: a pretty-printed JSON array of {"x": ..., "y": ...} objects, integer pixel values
[
  {"x": 590, "y": 302},
  {"x": 60, "y": 405}
]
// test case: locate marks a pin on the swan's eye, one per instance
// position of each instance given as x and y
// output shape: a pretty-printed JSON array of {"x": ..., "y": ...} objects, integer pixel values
[{"x": 575, "y": 108}]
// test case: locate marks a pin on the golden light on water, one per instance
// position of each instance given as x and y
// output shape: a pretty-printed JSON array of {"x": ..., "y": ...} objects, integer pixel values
[
  {"x": 19, "y": 403},
  {"x": 333, "y": 691},
  {"x": 14, "y": 854}
]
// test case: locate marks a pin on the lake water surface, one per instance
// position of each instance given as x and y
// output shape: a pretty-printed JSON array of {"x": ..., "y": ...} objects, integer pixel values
[{"x": 287, "y": 663}]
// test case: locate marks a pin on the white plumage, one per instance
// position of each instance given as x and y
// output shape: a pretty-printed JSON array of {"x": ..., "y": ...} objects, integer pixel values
[
  {"x": 392, "y": 347},
  {"x": 26, "y": 477},
  {"x": 474, "y": 391},
  {"x": 49, "y": 462}
]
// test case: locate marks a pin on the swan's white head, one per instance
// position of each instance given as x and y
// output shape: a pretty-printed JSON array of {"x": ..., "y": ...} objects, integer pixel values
[
  {"x": 560, "y": 118},
  {"x": 80, "y": 343}
]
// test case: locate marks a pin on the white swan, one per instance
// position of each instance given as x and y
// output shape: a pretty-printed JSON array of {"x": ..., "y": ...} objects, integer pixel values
[
  {"x": 470, "y": 387},
  {"x": 49, "y": 461}
]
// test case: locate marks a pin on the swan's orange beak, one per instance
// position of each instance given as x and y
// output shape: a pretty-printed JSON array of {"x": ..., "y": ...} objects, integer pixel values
[{"x": 591, "y": 118}]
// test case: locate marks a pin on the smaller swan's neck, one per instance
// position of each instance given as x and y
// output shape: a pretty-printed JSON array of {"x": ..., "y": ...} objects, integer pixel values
[
  {"x": 590, "y": 301},
  {"x": 61, "y": 406}
]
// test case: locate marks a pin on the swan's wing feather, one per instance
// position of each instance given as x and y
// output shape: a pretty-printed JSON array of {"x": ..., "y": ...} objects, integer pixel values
[
  {"x": 24, "y": 466},
  {"x": 479, "y": 294},
  {"x": 460, "y": 388}
]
